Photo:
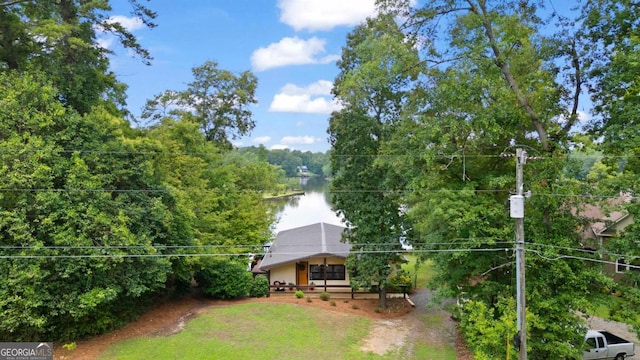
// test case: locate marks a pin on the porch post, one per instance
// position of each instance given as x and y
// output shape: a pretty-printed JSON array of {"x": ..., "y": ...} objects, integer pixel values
[{"x": 324, "y": 273}]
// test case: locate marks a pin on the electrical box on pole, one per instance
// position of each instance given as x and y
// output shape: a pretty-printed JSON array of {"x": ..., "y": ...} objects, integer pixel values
[{"x": 517, "y": 206}]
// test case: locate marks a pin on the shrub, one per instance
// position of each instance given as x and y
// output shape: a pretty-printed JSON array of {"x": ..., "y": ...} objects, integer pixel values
[
  {"x": 299, "y": 294},
  {"x": 355, "y": 307},
  {"x": 332, "y": 303},
  {"x": 259, "y": 286},
  {"x": 325, "y": 296},
  {"x": 402, "y": 278},
  {"x": 224, "y": 279},
  {"x": 309, "y": 299}
]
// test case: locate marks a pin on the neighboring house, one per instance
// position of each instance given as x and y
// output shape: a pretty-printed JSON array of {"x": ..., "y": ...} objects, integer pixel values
[
  {"x": 303, "y": 170},
  {"x": 313, "y": 253},
  {"x": 602, "y": 228}
]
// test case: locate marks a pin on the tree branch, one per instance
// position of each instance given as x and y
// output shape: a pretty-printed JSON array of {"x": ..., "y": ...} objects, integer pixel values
[
  {"x": 9, "y": 3},
  {"x": 575, "y": 61},
  {"x": 496, "y": 268},
  {"x": 506, "y": 72}
]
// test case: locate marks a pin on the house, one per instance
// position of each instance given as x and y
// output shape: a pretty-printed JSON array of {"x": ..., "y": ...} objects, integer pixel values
[
  {"x": 308, "y": 254},
  {"x": 602, "y": 227},
  {"x": 303, "y": 170}
]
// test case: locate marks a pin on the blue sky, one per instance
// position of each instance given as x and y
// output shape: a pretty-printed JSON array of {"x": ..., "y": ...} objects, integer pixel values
[{"x": 290, "y": 45}]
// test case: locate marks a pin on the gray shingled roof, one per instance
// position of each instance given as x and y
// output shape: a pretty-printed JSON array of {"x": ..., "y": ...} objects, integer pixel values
[{"x": 301, "y": 243}]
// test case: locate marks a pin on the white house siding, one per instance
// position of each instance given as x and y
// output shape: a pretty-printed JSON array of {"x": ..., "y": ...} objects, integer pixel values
[{"x": 286, "y": 273}]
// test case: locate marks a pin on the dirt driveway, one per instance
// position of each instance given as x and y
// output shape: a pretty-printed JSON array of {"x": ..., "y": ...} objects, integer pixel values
[{"x": 398, "y": 326}]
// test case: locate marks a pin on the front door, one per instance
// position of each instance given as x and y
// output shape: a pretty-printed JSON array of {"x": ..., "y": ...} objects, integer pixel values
[{"x": 303, "y": 273}]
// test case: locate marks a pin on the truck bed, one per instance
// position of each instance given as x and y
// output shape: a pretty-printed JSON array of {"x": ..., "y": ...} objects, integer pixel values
[{"x": 613, "y": 339}]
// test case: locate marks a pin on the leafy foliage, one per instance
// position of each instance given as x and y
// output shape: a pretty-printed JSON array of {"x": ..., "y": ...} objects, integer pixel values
[
  {"x": 217, "y": 100},
  {"x": 259, "y": 286},
  {"x": 486, "y": 332},
  {"x": 224, "y": 279},
  {"x": 291, "y": 160},
  {"x": 75, "y": 205},
  {"x": 60, "y": 39},
  {"x": 489, "y": 77},
  {"x": 399, "y": 280},
  {"x": 98, "y": 219},
  {"x": 371, "y": 84}
]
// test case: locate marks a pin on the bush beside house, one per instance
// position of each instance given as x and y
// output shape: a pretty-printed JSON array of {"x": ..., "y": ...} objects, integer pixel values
[{"x": 224, "y": 279}]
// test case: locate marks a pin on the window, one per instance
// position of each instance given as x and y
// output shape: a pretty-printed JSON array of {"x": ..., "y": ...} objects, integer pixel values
[
  {"x": 621, "y": 265},
  {"x": 333, "y": 272}
]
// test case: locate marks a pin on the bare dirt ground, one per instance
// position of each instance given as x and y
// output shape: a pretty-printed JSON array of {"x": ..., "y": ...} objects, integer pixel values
[{"x": 398, "y": 325}]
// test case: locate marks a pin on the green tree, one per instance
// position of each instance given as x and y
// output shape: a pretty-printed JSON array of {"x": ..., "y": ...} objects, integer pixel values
[
  {"x": 83, "y": 217},
  {"x": 612, "y": 28},
  {"x": 220, "y": 192},
  {"x": 492, "y": 82},
  {"x": 374, "y": 73},
  {"x": 218, "y": 100},
  {"x": 59, "y": 38},
  {"x": 224, "y": 279}
]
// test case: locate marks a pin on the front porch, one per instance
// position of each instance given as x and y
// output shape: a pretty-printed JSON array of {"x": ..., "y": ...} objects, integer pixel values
[{"x": 336, "y": 291}]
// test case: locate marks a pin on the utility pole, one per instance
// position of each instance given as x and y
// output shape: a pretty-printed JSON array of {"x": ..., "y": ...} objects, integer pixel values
[{"x": 517, "y": 212}]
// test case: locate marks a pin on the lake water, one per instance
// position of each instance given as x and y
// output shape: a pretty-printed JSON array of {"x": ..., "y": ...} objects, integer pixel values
[{"x": 310, "y": 208}]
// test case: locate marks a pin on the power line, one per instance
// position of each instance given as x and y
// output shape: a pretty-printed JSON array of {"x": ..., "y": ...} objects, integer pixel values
[
  {"x": 245, "y": 254},
  {"x": 190, "y": 153},
  {"x": 587, "y": 251},
  {"x": 160, "y": 246},
  {"x": 596, "y": 260},
  {"x": 258, "y": 191}
]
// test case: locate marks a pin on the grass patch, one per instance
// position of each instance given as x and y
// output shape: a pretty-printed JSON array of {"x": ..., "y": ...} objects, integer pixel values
[
  {"x": 238, "y": 332},
  {"x": 424, "y": 352},
  {"x": 611, "y": 307},
  {"x": 421, "y": 272}
]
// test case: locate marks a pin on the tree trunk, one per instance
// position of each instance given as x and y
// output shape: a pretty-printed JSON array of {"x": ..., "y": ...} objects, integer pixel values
[{"x": 382, "y": 293}]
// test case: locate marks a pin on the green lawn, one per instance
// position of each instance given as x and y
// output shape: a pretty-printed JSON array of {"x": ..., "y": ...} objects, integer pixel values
[
  {"x": 268, "y": 331},
  {"x": 277, "y": 331},
  {"x": 421, "y": 273}
]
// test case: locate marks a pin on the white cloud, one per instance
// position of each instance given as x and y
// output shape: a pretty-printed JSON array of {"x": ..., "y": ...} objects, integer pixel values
[
  {"x": 320, "y": 87},
  {"x": 306, "y": 140},
  {"x": 129, "y": 23},
  {"x": 302, "y": 104},
  {"x": 106, "y": 40},
  {"x": 262, "y": 139},
  {"x": 314, "y": 99},
  {"x": 278, "y": 147},
  {"x": 314, "y": 15},
  {"x": 583, "y": 117},
  {"x": 291, "y": 51}
]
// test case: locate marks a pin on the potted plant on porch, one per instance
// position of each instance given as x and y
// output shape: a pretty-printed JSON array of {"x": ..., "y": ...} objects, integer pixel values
[
  {"x": 312, "y": 286},
  {"x": 292, "y": 286}
]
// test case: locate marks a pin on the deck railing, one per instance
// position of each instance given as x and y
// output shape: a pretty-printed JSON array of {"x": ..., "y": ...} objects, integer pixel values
[{"x": 333, "y": 289}]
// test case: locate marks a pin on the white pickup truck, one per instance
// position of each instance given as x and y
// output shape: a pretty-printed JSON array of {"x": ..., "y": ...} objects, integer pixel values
[{"x": 605, "y": 345}]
